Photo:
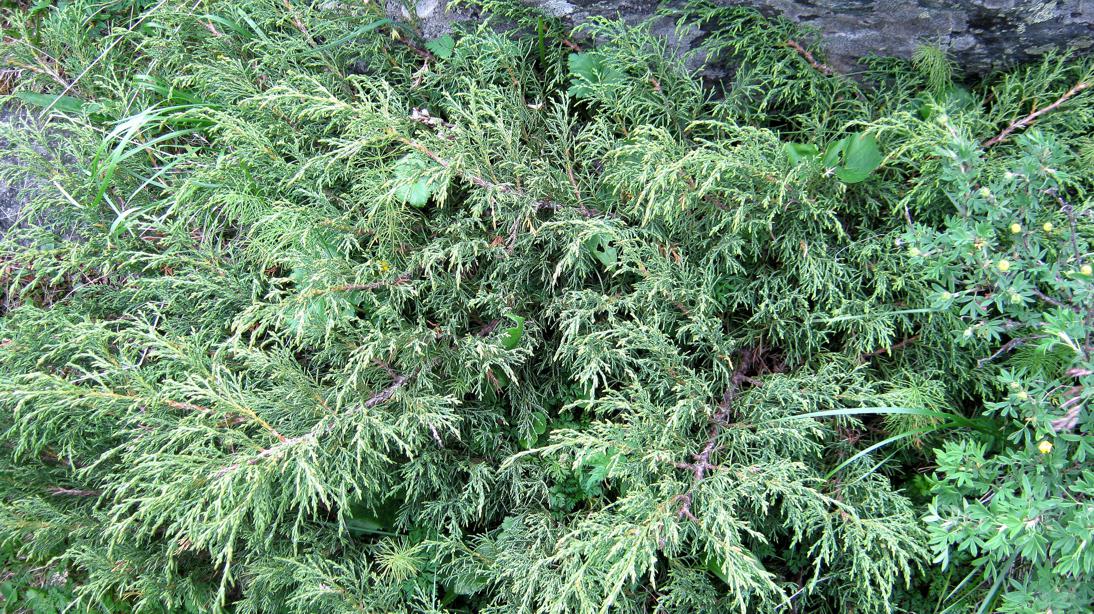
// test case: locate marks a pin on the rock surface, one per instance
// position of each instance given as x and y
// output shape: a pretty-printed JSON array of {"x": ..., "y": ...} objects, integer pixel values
[
  {"x": 12, "y": 194},
  {"x": 981, "y": 35}
]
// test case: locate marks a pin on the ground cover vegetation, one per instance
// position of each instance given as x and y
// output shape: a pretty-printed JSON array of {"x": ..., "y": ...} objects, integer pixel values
[{"x": 309, "y": 314}]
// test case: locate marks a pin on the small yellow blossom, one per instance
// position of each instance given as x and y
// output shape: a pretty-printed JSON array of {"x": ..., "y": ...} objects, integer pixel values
[
  {"x": 1015, "y": 228},
  {"x": 1003, "y": 266},
  {"x": 384, "y": 266},
  {"x": 1045, "y": 446},
  {"x": 914, "y": 252},
  {"x": 1048, "y": 226},
  {"x": 1086, "y": 270}
]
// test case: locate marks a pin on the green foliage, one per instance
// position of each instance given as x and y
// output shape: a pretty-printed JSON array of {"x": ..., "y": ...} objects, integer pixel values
[
  {"x": 308, "y": 314},
  {"x": 851, "y": 158},
  {"x": 1010, "y": 262}
]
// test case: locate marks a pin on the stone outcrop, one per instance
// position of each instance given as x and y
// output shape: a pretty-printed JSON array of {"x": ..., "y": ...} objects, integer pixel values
[{"x": 981, "y": 35}]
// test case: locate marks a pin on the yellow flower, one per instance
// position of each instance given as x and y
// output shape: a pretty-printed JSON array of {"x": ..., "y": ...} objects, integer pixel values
[
  {"x": 1045, "y": 446},
  {"x": 384, "y": 266},
  {"x": 1015, "y": 228},
  {"x": 1086, "y": 270},
  {"x": 914, "y": 252},
  {"x": 1003, "y": 266},
  {"x": 1048, "y": 226}
]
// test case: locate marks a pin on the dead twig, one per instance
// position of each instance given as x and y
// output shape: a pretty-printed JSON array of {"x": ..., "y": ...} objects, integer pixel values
[
  {"x": 820, "y": 67},
  {"x": 889, "y": 350},
  {"x": 701, "y": 466},
  {"x": 1032, "y": 117},
  {"x": 1007, "y": 347},
  {"x": 72, "y": 492}
]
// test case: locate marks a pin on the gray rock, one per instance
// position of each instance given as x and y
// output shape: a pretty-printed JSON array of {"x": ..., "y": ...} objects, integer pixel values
[
  {"x": 981, "y": 35},
  {"x": 13, "y": 193}
]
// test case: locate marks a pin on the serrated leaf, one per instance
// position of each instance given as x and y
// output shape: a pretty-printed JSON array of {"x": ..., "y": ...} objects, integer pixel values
[
  {"x": 589, "y": 73},
  {"x": 416, "y": 186},
  {"x": 441, "y": 46}
]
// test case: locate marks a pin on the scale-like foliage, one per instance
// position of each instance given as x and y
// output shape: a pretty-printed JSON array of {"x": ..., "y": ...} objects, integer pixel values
[{"x": 306, "y": 314}]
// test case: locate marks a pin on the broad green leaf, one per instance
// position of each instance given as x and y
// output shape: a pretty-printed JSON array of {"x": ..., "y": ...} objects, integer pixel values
[
  {"x": 714, "y": 566},
  {"x": 511, "y": 338},
  {"x": 833, "y": 154},
  {"x": 853, "y": 157},
  {"x": 862, "y": 154},
  {"x": 602, "y": 249},
  {"x": 539, "y": 422},
  {"x": 365, "y": 526},
  {"x": 797, "y": 152},
  {"x": 539, "y": 426}
]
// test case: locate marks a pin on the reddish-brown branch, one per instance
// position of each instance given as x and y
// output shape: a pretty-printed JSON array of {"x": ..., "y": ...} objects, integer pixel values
[
  {"x": 396, "y": 383},
  {"x": 1032, "y": 117},
  {"x": 1007, "y": 348},
  {"x": 701, "y": 466},
  {"x": 820, "y": 67},
  {"x": 374, "y": 285},
  {"x": 888, "y": 350}
]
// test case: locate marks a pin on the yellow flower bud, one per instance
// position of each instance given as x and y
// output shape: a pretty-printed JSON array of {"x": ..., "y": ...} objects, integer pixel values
[
  {"x": 1048, "y": 226},
  {"x": 914, "y": 252},
  {"x": 1045, "y": 446},
  {"x": 1003, "y": 266},
  {"x": 1015, "y": 228},
  {"x": 1086, "y": 270},
  {"x": 1022, "y": 395}
]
